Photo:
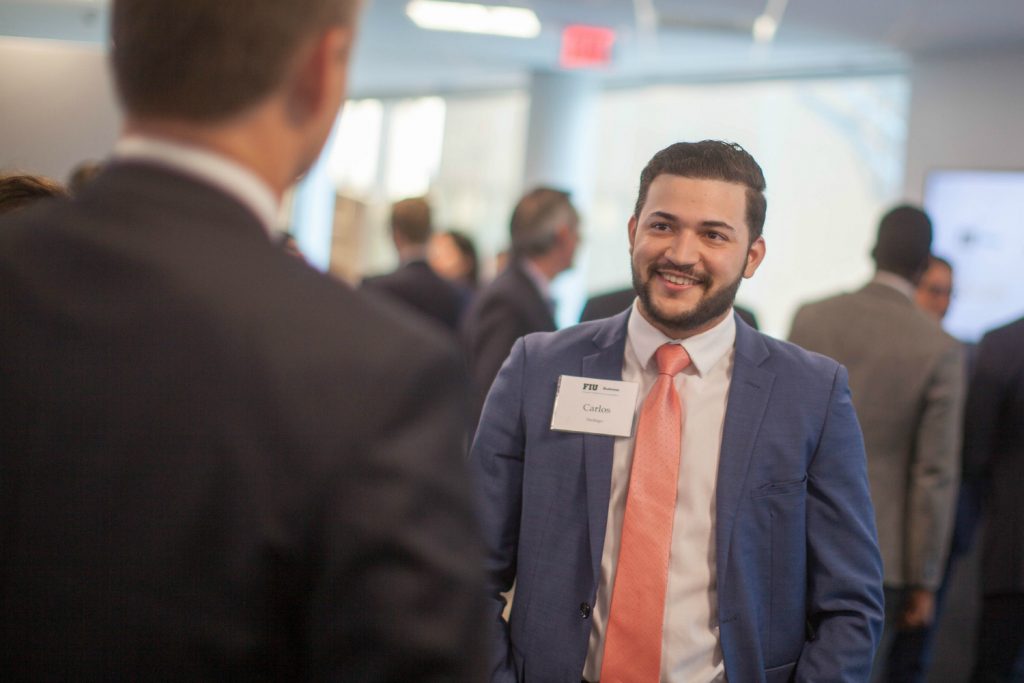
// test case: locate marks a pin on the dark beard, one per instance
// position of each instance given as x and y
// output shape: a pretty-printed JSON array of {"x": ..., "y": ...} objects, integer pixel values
[{"x": 706, "y": 310}]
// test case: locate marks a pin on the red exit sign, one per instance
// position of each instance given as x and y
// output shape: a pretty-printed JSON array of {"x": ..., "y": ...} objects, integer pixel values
[{"x": 586, "y": 46}]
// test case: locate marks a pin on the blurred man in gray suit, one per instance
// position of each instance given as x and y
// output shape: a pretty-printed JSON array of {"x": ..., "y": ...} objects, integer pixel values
[{"x": 907, "y": 378}]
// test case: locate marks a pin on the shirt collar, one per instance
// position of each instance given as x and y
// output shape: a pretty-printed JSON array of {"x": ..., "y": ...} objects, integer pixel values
[
  {"x": 209, "y": 167},
  {"x": 539, "y": 280},
  {"x": 705, "y": 349},
  {"x": 894, "y": 281}
]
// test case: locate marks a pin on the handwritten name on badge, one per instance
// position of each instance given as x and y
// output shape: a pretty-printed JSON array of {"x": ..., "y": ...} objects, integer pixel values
[{"x": 594, "y": 406}]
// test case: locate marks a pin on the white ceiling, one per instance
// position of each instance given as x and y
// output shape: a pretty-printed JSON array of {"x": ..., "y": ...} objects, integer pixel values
[{"x": 696, "y": 40}]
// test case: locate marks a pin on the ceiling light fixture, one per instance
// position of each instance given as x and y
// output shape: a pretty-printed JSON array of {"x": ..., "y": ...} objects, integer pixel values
[
  {"x": 766, "y": 25},
  {"x": 435, "y": 15}
]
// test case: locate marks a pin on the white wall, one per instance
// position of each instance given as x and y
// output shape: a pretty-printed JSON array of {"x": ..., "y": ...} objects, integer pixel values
[
  {"x": 966, "y": 111},
  {"x": 57, "y": 106}
]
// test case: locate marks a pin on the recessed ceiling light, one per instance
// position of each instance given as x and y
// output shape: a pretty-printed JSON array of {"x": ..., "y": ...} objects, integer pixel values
[{"x": 514, "y": 22}]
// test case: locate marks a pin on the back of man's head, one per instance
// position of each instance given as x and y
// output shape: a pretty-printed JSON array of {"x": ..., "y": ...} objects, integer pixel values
[
  {"x": 202, "y": 61},
  {"x": 19, "y": 190},
  {"x": 537, "y": 219},
  {"x": 710, "y": 160},
  {"x": 410, "y": 220},
  {"x": 904, "y": 242}
]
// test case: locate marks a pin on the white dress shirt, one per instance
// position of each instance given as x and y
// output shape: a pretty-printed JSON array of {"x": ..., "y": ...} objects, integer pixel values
[
  {"x": 209, "y": 167},
  {"x": 894, "y": 281},
  {"x": 690, "y": 652}
]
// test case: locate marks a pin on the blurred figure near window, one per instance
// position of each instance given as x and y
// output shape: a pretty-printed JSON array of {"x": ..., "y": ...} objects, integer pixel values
[
  {"x": 414, "y": 283},
  {"x": 544, "y": 232}
]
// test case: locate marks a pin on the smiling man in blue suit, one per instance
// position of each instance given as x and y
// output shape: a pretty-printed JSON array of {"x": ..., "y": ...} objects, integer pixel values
[{"x": 715, "y": 527}]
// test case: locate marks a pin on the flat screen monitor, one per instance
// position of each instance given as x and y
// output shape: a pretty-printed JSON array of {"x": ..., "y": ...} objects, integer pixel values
[{"x": 978, "y": 218}]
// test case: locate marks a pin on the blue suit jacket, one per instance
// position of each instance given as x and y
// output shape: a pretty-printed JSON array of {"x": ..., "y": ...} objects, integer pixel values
[{"x": 798, "y": 568}]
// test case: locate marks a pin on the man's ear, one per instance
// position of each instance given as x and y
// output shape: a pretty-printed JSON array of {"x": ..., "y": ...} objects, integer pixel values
[
  {"x": 318, "y": 74},
  {"x": 755, "y": 254},
  {"x": 632, "y": 232}
]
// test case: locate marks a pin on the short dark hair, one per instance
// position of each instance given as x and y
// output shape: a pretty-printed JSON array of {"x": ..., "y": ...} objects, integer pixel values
[
  {"x": 536, "y": 219},
  {"x": 904, "y": 242},
  {"x": 710, "y": 160},
  {"x": 410, "y": 218},
  {"x": 18, "y": 190},
  {"x": 204, "y": 61}
]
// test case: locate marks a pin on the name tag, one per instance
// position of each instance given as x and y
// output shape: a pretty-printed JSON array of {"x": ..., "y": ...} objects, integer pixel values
[{"x": 594, "y": 406}]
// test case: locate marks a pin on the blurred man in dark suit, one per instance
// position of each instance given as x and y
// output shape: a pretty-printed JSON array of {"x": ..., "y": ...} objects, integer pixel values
[
  {"x": 216, "y": 463},
  {"x": 544, "y": 232},
  {"x": 994, "y": 453},
  {"x": 414, "y": 283}
]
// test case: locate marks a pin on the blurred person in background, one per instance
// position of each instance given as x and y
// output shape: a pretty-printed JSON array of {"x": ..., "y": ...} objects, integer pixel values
[
  {"x": 20, "y": 190},
  {"x": 908, "y": 382},
  {"x": 911, "y": 653},
  {"x": 994, "y": 456},
  {"x": 452, "y": 255},
  {"x": 934, "y": 291},
  {"x": 215, "y": 462},
  {"x": 414, "y": 283},
  {"x": 544, "y": 232}
]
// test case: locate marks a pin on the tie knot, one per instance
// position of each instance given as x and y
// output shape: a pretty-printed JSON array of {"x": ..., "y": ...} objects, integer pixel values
[{"x": 672, "y": 359}]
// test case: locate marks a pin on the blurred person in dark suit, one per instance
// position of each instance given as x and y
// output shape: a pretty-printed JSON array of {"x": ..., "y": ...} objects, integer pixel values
[
  {"x": 611, "y": 303},
  {"x": 453, "y": 256},
  {"x": 544, "y": 232},
  {"x": 994, "y": 455},
  {"x": 20, "y": 190},
  {"x": 414, "y": 283},
  {"x": 215, "y": 462}
]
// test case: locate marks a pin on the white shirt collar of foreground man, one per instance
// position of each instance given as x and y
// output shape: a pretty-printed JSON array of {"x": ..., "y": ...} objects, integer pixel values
[
  {"x": 690, "y": 646},
  {"x": 209, "y": 167}
]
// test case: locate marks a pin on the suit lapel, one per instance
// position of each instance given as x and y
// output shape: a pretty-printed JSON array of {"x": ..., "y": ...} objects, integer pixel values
[
  {"x": 604, "y": 363},
  {"x": 749, "y": 391}
]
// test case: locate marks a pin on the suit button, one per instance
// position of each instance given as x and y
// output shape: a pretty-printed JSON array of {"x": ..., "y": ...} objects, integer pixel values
[{"x": 584, "y": 610}]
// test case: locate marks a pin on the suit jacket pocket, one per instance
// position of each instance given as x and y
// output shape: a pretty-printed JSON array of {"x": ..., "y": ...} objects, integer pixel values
[
  {"x": 780, "y": 674},
  {"x": 780, "y": 488}
]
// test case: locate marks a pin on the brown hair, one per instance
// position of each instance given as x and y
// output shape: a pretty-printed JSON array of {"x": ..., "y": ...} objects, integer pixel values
[
  {"x": 410, "y": 218},
  {"x": 203, "y": 60},
  {"x": 18, "y": 190},
  {"x": 711, "y": 160}
]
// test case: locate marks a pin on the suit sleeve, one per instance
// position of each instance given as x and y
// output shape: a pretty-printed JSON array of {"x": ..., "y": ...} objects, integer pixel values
[
  {"x": 984, "y": 401},
  {"x": 497, "y": 460},
  {"x": 935, "y": 473},
  {"x": 844, "y": 564},
  {"x": 397, "y": 586},
  {"x": 498, "y": 328}
]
